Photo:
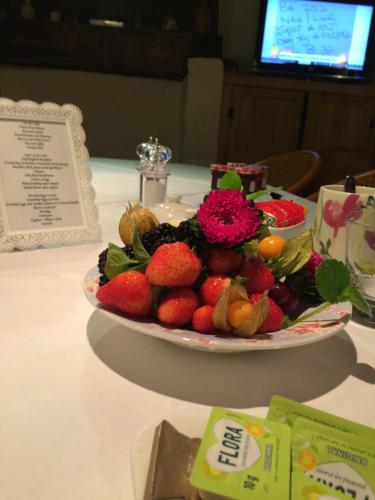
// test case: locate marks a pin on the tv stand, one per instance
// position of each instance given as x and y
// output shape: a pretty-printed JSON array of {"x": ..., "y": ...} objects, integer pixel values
[
  {"x": 269, "y": 114},
  {"x": 313, "y": 77}
]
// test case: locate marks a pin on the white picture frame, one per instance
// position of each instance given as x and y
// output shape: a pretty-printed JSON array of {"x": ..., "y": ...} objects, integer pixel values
[{"x": 46, "y": 196}]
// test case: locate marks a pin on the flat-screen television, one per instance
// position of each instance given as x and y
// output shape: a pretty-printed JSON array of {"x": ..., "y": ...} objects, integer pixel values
[{"x": 316, "y": 37}]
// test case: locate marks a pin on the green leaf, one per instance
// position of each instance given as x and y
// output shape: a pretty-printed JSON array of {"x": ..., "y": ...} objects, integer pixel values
[
  {"x": 353, "y": 295},
  {"x": 274, "y": 265},
  {"x": 231, "y": 180},
  {"x": 141, "y": 254},
  {"x": 295, "y": 254},
  {"x": 240, "y": 280},
  {"x": 332, "y": 277},
  {"x": 263, "y": 192},
  {"x": 157, "y": 294},
  {"x": 117, "y": 261},
  {"x": 286, "y": 322},
  {"x": 263, "y": 231}
]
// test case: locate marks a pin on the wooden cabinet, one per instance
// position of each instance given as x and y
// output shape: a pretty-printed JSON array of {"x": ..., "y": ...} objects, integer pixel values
[
  {"x": 341, "y": 129},
  {"x": 262, "y": 116},
  {"x": 263, "y": 122}
]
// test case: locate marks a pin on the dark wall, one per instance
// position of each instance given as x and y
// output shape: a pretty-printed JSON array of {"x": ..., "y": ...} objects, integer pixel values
[{"x": 146, "y": 14}]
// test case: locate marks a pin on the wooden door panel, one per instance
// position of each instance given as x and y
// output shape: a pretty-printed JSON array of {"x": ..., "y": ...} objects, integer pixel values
[
  {"x": 339, "y": 127},
  {"x": 265, "y": 122}
]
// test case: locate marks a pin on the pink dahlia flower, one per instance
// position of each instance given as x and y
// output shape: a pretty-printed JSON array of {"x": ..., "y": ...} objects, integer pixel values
[
  {"x": 313, "y": 264},
  {"x": 226, "y": 217}
]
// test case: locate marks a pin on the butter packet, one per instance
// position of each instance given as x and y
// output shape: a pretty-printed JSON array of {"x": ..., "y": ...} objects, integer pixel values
[
  {"x": 241, "y": 456},
  {"x": 286, "y": 411},
  {"x": 305, "y": 488},
  {"x": 334, "y": 458}
]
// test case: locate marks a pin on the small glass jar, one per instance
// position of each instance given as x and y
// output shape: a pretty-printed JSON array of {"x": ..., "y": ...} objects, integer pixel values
[{"x": 253, "y": 177}]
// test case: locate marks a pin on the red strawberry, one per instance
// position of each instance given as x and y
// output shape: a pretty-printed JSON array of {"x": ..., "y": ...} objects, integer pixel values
[
  {"x": 202, "y": 320},
  {"x": 177, "y": 306},
  {"x": 224, "y": 261},
  {"x": 212, "y": 287},
  {"x": 129, "y": 292},
  {"x": 275, "y": 316},
  {"x": 173, "y": 264},
  {"x": 259, "y": 274}
]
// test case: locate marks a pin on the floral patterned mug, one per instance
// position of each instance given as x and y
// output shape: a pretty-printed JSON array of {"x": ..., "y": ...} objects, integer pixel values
[{"x": 333, "y": 207}]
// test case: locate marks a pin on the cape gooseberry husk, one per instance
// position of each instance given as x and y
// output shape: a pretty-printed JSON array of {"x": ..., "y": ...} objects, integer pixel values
[
  {"x": 135, "y": 215},
  {"x": 235, "y": 292}
]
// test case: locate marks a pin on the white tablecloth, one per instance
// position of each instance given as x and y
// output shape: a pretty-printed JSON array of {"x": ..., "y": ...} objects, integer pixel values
[{"x": 75, "y": 388}]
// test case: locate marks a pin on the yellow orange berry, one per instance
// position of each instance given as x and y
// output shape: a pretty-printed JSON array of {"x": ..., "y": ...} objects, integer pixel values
[
  {"x": 271, "y": 246},
  {"x": 238, "y": 312}
]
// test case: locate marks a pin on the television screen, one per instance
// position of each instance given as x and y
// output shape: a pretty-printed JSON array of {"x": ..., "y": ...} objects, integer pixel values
[{"x": 311, "y": 33}]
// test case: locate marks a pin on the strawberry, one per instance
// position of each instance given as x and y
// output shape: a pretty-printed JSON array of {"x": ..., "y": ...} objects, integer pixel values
[
  {"x": 177, "y": 306},
  {"x": 202, "y": 320},
  {"x": 275, "y": 316},
  {"x": 259, "y": 275},
  {"x": 173, "y": 264},
  {"x": 211, "y": 288},
  {"x": 224, "y": 261},
  {"x": 129, "y": 293}
]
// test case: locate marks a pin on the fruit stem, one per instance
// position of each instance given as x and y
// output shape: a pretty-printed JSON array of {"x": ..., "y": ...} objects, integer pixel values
[{"x": 319, "y": 309}]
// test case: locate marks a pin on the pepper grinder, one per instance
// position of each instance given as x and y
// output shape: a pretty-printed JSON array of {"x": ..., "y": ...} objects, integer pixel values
[{"x": 153, "y": 171}]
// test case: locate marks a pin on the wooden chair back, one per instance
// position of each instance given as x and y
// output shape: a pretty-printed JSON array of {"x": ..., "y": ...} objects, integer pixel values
[{"x": 295, "y": 171}]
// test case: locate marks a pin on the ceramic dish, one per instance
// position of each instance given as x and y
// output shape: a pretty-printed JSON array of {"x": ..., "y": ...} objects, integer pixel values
[
  {"x": 288, "y": 232},
  {"x": 320, "y": 327}
]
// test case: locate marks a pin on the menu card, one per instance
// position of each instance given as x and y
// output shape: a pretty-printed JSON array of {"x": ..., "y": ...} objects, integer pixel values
[{"x": 40, "y": 178}]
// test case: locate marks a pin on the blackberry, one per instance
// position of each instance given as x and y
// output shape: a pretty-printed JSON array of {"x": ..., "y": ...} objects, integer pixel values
[
  {"x": 102, "y": 260},
  {"x": 183, "y": 231},
  {"x": 161, "y": 241},
  {"x": 164, "y": 233},
  {"x": 128, "y": 249},
  {"x": 103, "y": 280}
]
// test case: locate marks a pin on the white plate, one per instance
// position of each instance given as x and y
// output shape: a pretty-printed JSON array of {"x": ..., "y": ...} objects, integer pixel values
[{"x": 319, "y": 327}]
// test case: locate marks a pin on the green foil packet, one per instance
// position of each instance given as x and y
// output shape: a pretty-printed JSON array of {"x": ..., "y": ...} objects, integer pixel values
[
  {"x": 286, "y": 411},
  {"x": 305, "y": 488},
  {"x": 334, "y": 458},
  {"x": 243, "y": 457}
]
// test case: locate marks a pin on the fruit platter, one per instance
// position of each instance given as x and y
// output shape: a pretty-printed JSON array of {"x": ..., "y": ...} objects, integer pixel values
[{"x": 220, "y": 280}]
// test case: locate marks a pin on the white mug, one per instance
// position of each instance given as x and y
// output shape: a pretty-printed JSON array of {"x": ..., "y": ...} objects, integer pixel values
[{"x": 333, "y": 207}]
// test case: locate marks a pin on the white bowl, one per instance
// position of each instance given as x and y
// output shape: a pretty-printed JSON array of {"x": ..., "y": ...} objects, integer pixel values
[{"x": 288, "y": 232}]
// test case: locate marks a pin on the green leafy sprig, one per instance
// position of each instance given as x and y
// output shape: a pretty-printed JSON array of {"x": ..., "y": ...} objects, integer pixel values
[
  {"x": 118, "y": 262},
  {"x": 231, "y": 180},
  {"x": 333, "y": 284}
]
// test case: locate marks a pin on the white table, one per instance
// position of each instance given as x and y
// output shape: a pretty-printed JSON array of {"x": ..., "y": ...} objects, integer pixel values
[{"x": 75, "y": 388}]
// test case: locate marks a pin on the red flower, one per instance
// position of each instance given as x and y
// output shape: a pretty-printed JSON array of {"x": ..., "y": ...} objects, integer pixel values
[
  {"x": 226, "y": 217},
  {"x": 335, "y": 213}
]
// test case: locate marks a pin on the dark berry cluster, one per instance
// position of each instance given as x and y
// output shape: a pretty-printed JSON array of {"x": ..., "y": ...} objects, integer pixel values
[
  {"x": 102, "y": 259},
  {"x": 164, "y": 233},
  {"x": 183, "y": 231}
]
